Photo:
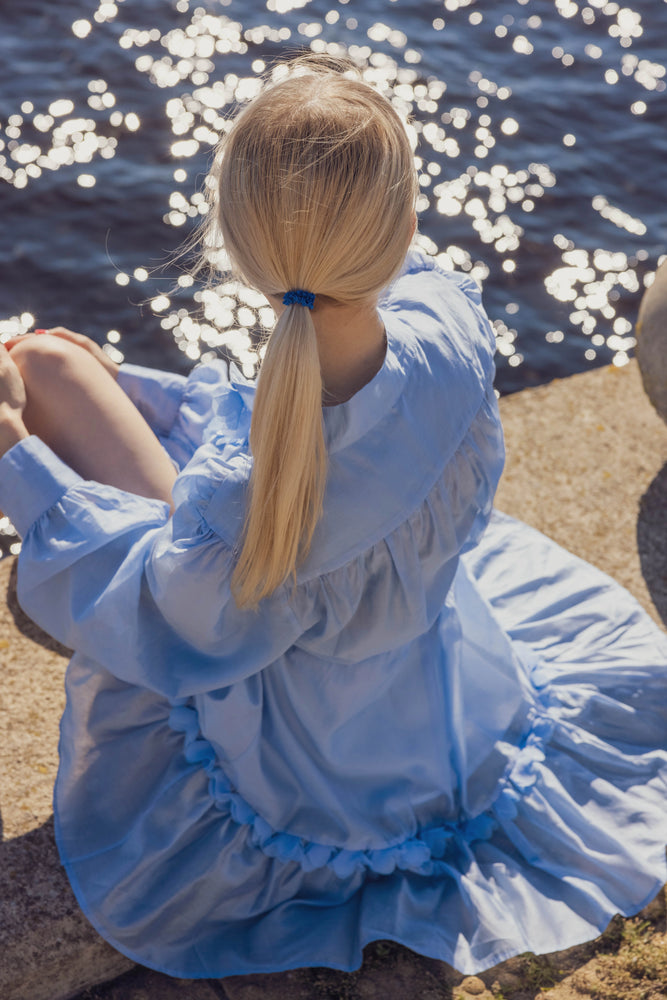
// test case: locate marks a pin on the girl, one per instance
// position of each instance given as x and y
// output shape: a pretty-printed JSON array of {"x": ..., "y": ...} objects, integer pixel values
[{"x": 320, "y": 694}]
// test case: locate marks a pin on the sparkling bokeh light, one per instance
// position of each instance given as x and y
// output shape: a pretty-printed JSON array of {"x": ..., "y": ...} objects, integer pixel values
[{"x": 532, "y": 122}]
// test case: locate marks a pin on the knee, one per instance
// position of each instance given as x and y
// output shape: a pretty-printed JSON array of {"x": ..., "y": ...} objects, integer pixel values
[{"x": 40, "y": 358}]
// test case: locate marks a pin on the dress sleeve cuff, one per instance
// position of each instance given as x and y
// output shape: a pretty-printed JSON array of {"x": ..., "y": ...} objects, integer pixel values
[
  {"x": 32, "y": 479},
  {"x": 156, "y": 394}
]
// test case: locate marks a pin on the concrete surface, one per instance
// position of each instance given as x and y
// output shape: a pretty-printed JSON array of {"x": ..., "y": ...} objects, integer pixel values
[{"x": 586, "y": 464}]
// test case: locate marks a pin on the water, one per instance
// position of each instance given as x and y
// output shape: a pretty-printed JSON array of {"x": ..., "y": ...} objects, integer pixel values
[{"x": 541, "y": 142}]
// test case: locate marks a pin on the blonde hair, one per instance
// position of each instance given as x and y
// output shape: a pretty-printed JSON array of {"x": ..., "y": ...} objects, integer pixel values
[{"x": 316, "y": 191}]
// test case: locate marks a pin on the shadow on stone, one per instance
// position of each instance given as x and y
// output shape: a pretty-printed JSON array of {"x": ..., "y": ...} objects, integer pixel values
[
  {"x": 26, "y": 625},
  {"x": 49, "y": 950},
  {"x": 652, "y": 540}
]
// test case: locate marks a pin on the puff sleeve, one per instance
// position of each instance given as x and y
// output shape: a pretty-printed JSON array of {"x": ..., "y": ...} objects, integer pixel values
[{"x": 146, "y": 595}]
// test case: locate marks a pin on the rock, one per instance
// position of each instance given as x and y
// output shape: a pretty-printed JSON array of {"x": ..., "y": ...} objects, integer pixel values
[
  {"x": 472, "y": 985},
  {"x": 506, "y": 983},
  {"x": 143, "y": 984},
  {"x": 585, "y": 455},
  {"x": 48, "y": 950},
  {"x": 652, "y": 341}
]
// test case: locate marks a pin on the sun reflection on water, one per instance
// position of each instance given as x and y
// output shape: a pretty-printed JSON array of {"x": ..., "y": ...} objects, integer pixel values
[{"x": 484, "y": 185}]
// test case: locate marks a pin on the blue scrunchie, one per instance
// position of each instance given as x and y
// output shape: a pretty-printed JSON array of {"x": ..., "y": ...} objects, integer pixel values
[{"x": 299, "y": 297}]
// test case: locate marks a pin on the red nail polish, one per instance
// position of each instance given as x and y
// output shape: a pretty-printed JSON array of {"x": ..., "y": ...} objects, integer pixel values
[{"x": 40, "y": 331}]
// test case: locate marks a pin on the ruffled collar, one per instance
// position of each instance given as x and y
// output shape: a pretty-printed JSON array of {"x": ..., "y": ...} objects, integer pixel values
[{"x": 346, "y": 422}]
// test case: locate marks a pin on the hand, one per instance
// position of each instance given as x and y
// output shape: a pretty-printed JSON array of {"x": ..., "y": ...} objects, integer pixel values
[
  {"x": 12, "y": 403},
  {"x": 74, "y": 338}
]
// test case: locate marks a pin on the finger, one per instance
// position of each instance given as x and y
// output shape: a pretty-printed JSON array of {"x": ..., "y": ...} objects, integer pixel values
[
  {"x": 56, "y": 332},
  {"x": 65, "y": 334},
  {"x": 69, "y": 335}
]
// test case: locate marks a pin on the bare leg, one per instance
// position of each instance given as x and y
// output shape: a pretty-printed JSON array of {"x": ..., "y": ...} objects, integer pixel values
[{"x": 78, "y": 409}]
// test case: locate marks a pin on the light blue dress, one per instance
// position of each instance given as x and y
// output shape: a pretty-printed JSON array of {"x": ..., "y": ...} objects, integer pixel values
[{"x": 452, "y": 733}]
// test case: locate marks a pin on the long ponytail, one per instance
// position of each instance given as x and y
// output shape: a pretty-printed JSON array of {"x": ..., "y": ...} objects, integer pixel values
[
  {"x": 316, "y": 190},
  {"x": 289, "y": 459}
]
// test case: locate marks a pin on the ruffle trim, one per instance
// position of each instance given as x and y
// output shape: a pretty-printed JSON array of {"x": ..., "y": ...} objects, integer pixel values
[{"x": 416, "y": 854}]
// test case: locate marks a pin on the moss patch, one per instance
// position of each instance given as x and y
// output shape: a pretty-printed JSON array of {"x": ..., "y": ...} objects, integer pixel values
[{"x": 637, "y": 971}]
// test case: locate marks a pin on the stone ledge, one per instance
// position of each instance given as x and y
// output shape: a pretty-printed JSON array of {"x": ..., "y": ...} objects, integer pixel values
[{"x": 587, "y": 464}]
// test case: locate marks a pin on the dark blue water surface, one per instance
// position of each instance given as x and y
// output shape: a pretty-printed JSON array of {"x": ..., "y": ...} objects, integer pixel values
[{"x": 541, "y": 144}]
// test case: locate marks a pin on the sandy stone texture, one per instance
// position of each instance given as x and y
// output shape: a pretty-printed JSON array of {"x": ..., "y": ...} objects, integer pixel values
[
  {"x": 48, "y": 950},
  {"x": 587, "y": 465},
  {"x": 31, "y": 703}
]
